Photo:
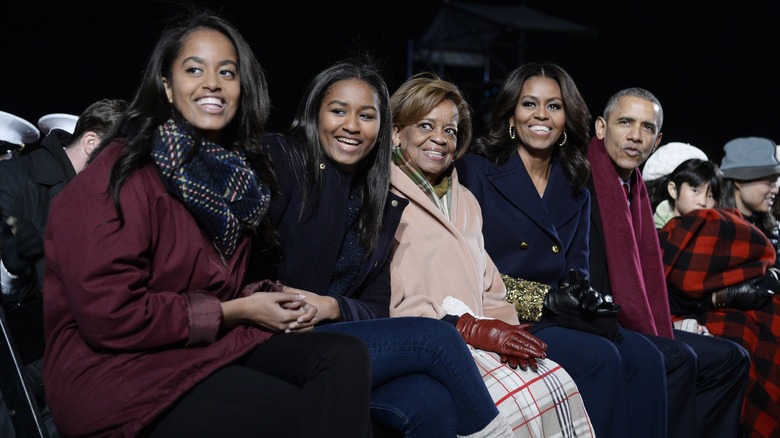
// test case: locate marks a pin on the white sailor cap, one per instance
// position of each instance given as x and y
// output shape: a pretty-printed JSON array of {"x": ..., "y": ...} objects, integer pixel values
[
  {"x": 66, "y": 122},
  {"x": 16, "y": 130}
]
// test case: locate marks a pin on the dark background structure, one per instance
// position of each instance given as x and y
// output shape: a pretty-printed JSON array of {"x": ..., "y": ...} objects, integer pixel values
[{"x": 713, "y": 65}]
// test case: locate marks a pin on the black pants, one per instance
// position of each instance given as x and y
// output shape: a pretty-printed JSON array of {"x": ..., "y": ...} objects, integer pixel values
[
  {"x": 293, "y": 385},
  {"x": 706, "y": 383}
]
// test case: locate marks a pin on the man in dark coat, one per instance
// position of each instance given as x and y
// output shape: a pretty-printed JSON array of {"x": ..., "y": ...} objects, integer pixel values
[
  {"x": 706, "y": 376},
  {"x": 28, "y": 183}
]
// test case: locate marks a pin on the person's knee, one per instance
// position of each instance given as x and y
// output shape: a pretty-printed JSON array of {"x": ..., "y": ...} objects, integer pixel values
[
  {"x": 396, "y": 405},
  {"x": 349, "y": 351},
  {"x": 581, "y": 354}
]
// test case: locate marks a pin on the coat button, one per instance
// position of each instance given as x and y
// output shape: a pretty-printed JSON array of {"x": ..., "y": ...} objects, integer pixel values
[
  {"x": 322, "y": 166},
  {"x": 523, "y": 245},
  {"x": 555, "y": 249},
  {"x": 394, "y": 203}
]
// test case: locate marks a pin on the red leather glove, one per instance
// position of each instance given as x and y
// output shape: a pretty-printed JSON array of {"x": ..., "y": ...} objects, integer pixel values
[
  {"x": 515, "y": 362},
  {"x": 513, "y": 343}
]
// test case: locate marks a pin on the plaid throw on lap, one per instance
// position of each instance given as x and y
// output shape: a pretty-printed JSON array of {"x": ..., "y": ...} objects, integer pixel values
[{"x": 217, "y": 185}]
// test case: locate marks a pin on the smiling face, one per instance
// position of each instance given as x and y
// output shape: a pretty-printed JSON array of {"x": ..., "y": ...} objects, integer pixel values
[
  {"x": 432, "y": 141},
  {"x": 756, "y": 196},
  {"x": 539, "y": 118},
  {"x": 349, "y": 122},
  {"x": 205, "y": 85},
  {"x": 631, "y": 134}
]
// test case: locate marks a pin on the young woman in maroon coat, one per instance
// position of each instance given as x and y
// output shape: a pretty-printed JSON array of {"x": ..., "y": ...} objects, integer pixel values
[{"x": 149, "y": 329}]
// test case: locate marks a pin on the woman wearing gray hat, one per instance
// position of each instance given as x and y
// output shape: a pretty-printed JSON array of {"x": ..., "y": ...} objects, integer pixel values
[
  {"x": 750, "y": 174},
  {"x": 750, "y": 171}
]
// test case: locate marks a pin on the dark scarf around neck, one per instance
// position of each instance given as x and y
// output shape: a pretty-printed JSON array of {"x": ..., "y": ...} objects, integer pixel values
[{"x": 217, "y": 186}]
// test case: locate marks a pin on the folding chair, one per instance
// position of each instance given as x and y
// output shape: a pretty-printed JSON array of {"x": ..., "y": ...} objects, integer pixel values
[{"x": 19, "y": 399}]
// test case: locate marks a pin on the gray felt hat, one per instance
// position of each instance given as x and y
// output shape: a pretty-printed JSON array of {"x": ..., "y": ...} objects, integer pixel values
[{"x": 749, "y": 158}]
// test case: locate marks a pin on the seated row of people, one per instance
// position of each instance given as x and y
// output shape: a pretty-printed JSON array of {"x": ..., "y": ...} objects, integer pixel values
[{"x": 204, "y": 279}]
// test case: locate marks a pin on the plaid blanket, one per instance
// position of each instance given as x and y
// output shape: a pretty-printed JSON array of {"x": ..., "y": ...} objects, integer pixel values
[
  {"x": 560, "y": 413},
  {"x": 707, "y": 250},
  {"x": 759, "y": 332}
]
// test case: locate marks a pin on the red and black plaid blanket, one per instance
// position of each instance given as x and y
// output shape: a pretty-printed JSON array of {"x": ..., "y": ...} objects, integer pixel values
[{"x": 707, "y": 250}]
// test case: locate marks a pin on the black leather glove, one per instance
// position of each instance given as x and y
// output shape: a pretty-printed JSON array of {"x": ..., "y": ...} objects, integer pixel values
[
  {"x": 771, "y": 280},
  {"x": 748, "y": 295},
  {"x": 576, "y": 305},
  {"x": 565, "y": 300},
  {"x": 29, "y": 243}
]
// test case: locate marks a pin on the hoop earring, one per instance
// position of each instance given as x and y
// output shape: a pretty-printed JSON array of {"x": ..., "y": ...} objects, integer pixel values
[
  {"x": 512, "y": 132},
  {"x": 561, "y": 144}
]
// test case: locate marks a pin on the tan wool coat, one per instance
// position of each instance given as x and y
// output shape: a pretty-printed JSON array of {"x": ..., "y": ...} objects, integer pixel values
[{"x": 436, "y": 257}]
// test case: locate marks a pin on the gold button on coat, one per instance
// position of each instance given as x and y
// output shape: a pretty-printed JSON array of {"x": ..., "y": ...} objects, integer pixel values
[
  {"x": 523, "y": 245},
  {"x": 555, "y": 249},
  {"x": 394, "y": 203}
]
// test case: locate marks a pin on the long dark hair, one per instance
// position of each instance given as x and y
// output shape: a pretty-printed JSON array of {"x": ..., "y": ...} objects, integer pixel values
[
  {"x": 693, "y": 171},
  {"x": 150, "y": 107},
  {"x": 496, "y": 144},
  {"x": 371, "y": 180}
]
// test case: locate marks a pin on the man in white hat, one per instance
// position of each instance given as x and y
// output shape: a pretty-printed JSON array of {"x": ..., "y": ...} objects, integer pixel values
[
  {"x": 27, "y": 185},
  {"x": 15, "y": 133},
  {"x": 750, "y": 176}
]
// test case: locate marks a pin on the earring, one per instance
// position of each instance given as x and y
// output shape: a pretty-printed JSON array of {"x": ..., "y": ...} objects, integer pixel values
[
  {"x": 512, "y": 132},
  {"x": 562, "y": 143}
]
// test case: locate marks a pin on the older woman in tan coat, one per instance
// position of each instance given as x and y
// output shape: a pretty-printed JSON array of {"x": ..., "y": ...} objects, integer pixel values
[{"x": 440, "y": 268}]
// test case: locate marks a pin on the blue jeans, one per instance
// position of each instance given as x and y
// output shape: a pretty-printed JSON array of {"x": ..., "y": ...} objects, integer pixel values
[{"x": 424, "y": 381}]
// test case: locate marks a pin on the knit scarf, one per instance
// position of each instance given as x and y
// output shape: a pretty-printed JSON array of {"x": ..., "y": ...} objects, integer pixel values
[
  {"x": 436, "y": 194},
  {"x": 216, "y": 185},
  {"x": 636, "y": 274}
]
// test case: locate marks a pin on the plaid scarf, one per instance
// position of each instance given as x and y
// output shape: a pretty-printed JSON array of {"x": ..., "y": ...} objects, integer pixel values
[
  {"x": 436, "y": 194},
  {"x": 709, "y": 249},
  {"x": 216, "y": 185}
]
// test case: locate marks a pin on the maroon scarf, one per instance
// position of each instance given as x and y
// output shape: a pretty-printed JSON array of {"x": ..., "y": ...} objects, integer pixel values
[{"x": 636, "y": 272}]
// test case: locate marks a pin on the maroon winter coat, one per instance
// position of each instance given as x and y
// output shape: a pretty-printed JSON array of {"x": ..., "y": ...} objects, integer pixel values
[{"x": 131, "y": 314}]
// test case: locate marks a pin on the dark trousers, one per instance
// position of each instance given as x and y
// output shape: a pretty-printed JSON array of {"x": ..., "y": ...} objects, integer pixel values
[
  {"x": 707, "y": 379},
  {"x": 292, "y": 385}
]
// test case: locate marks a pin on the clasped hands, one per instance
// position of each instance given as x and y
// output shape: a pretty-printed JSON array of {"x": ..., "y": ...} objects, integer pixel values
[
  {"x": 278, "y": 308},
  {"x": 513, "y": 343}
]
